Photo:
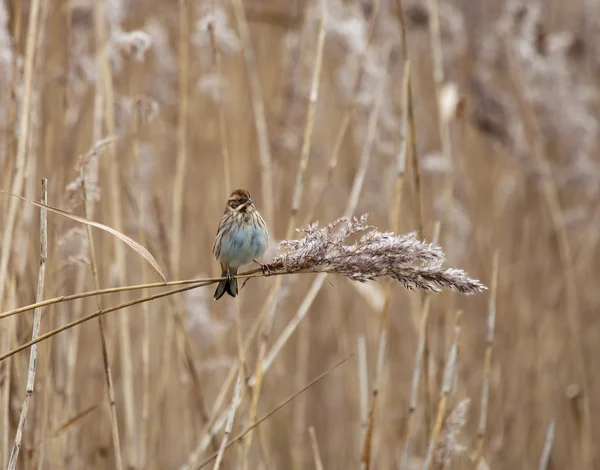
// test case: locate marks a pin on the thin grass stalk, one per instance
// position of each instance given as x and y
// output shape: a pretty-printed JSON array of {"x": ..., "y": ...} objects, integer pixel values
[
  {"x": 9, "y": 152},
  {"x": 101, "y": 327},
  {"x": 267, "y": 415},
  {"x": 349, "y": 210},
  {"x": 545, "y": 457},
  {"x": 17, "y": 169},
  {"x": 82, "y": 277},
  {"x": 12, "y": 109},
  {"x": 551, "y": 194},
  {"x": 37, "y": 316},
  {"x": 299, "y": 420},
  {"x": 23, "y": 135},
  {"x": 220, "y": 400},
  {"x": 394, "y": 218},
  {"x": 346, "y": 120},
  {"x": 5, "y": 370},
  {"x": 315, "y": 448},
  {"x": 219, "y": 102},
  {"x": 419, "y": 359},
  {"x": 112, "y": 290},
  {"x": 296, "y": 201},
  {"x": 438, "y": 78},
  {"x": 146, "y": 321},
  {"x": 444, "y": 394},
  {"x": 104, "y": 67},
  {"x": 182, "y": 132},
  {"x": 235, "y": 402},
  {"x": 363, "y": 387},
  {"x": 487, "y": 362},
  {"x": 97, "y": 314},
  {"x": 258, "y": 109}
]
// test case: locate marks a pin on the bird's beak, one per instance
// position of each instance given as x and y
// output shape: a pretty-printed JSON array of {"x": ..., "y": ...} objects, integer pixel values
[{"x": 250, "y": 201}]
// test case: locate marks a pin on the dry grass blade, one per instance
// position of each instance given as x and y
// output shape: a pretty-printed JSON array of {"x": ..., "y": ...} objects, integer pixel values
[
  {"x": 315, "y": 448},
  {"x": 270, "y": 304},
  {"x": 132, "y": 243},
  {"x": 545, "y": 457},
  {"x": 420, "y": 358},
  {"x": 235, "y": 402},
  {"x": 74, "y": 420},
  {"x": 449, "y": 373},
  {"x": 277, "y": 408},
  {"x": 487, "y": 366},
  {"x": 96, "y": 314},
  {"x": 258, "y": 110},
  {"x": 14, "y": 455},
  {"x": 23, "y": 137}
]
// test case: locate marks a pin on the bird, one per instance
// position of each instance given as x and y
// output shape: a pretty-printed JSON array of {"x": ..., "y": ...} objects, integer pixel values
[{"x": 242, "y": 238}]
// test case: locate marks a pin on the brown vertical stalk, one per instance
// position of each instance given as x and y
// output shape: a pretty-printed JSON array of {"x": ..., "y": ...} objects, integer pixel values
[
  {"x": 145, "y": 408},
  {"x": 12, "y": 109},
  {"x": 235, "y": 402},
  {"x": 348, "y": 212},
  {"x": 449, "y": 372},
  {"x": 420, "y": 358},
  {"x": 104, "y": 69},
  {"x": 182, "y": 129},
  {"x": 438, "y": 78},
  {"x": 221, "y": 111},
  {"x": 487, "y": 363},
  {"x": 23, "y": 135},
  {"x": 551, "y": 194},
  {"x": 14, "y": 455},
  {"x": 315, "y": 448},
  {"x": 297, "y": 199},
  {"x": 258, "y": 108},
  {"x": 545, "y": 457},
  {"x": 394, "y": 217},
  {"x": 101, "y": 326}
]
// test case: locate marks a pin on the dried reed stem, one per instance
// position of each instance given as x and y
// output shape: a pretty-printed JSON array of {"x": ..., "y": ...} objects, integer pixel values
[
  {"x": 315, "y": 448},
  {"x": 12, "y": 109},
  {"x": 219, "y": 102},
  {"x": 14, "y": 455},
  {"x": 9, "y": 152},
  {"x": 346, "y": 120},
  {"x": 101, "y": 327},
  {"x": 551, "y": 194},
  {"x": 449, "y": 372},
  {"x": 420, "y": 357},
  {"x": 23, "y": 135},
  {"x": 350, "y": 208},
  {"x": 104, "y": 68},
  {"x": 545, "y": 457},
  {"x": 96, "y": 314},
  {"x": 438, "y": 78},
  {"x": 271, "y": 302},
  {"x": 487, "y": 362},
  {"x": 146, "y": 322},
  {"x": 182, "y": 131},
  {"x": 213, "y": 421},
  {"x": 7, "y": 374},
  {"x": 258, "y": 108},
  {"x": 394, "y": 217},
  {"x": 274, "y": 410},
  {"x": 235, "y": 402}
]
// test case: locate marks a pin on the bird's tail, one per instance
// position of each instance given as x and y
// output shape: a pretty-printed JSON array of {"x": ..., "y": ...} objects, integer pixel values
[{"x": 227, "y": 285}]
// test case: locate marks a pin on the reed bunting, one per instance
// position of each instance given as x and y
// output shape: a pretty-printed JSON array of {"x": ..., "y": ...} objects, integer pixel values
[{"x": 242, "y": 238}]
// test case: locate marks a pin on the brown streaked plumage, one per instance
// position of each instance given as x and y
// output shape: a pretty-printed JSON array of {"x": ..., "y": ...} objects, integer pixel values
[{"x": 242, "y": 238}]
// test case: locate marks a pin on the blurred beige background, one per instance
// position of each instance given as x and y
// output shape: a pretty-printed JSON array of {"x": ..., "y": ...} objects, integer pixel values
[{"x": 524, "y": 180}]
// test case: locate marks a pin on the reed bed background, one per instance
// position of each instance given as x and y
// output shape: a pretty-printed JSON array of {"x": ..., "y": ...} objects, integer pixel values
[{"x": 473, "y": 123}]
